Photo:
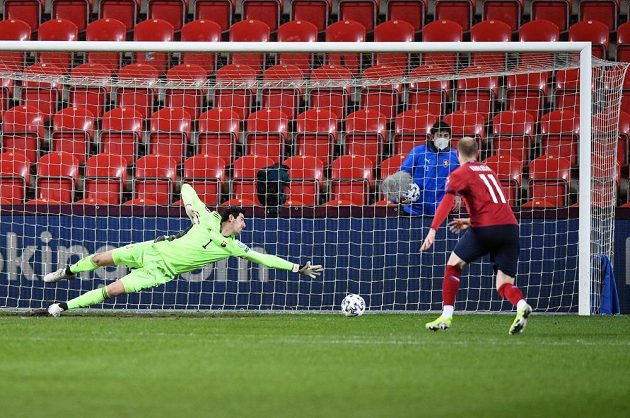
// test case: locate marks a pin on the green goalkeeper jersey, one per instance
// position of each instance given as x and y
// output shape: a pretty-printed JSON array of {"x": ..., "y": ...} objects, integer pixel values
[{"x": 202, "y": 243}]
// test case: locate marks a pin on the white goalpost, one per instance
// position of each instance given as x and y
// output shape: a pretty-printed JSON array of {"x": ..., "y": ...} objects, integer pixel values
[{"x": 98, "y": 137}]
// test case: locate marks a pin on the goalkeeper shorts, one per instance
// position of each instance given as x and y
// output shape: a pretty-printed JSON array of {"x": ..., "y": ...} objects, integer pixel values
[{"x": 149, "y": 269}]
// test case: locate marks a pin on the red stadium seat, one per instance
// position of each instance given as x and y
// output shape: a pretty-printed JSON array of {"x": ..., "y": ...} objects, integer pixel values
[
  {"x": 391, "y": 165},
  {"x": 514, "y": 133},
  {"x": 528, "y": 92},
  {"x": 559, "y": 133},
  {"x": 172, "y": 11},
  {"x": 57, "y": 30},
  {"x": 140, "y": 202},
  {"x": 386, "y": 169},
  {"x": 90, "y": 201},
  {"x": 73, "y": 131},
  {"x": 442, "y": 31},
  {"x": 341, "y": 202},
  {"x": 14, "y": 30},
  {"x": 249, "y": 31},
  {"x": 191, "y": 97},
  {"x": 201, "y": 31},
  {"x": 218, "y": 11},
  {"x": 477, "y": 93},
  {"x": 411, "y": 11},
  {"x": 412, "y": 128},
  {"x": 345, "y": 31},
  {"x": 108, "y": 29},
  {"x": 366, "y": 132},
  {"x": 125, "y": 11},
  {"x": 623, "y": 42},
  {"x": 506, "y": 11},
  {"x": 267, "y": 134},
  {"x": 218, "y": 133},
  {"x": 76, "y": 11},
  {"x": 14, "y": 177},
  {"x": 316, "y": 134},
  {"x": 45, "y": 96},
  {"x": 604, "y": 11},
  {"x": 352, "y": 178},
  {"x": 538, "y": 31},
  {"x": 591, "y": 31},
  {"x": 90, "y": 96},
  {"x": 384, "y": 98},
  {"x": 240, "y": 202},
  {"x": 307, "y": 178},
  {"x": 138, "y": 95},
  {"x": 281, "y": 95},
  {"x": 464, "y": 123},
  {"x": 23, "y": 131},
  {"x": 429, "y": 95},
  {"x": 121, "y": 133},
  {"x": 245, "y": 170},
  {"x": 297, "y": 31},
  {"x": 538, "y": 204},
  {"x": 57, "y": 177},
  {"x": 154, "y": 30},
  {"x": 458, "y": 11},
  {"x": 509, "y": 173},
  {"x": 155, "y": 179},
  {"x": 549, "y": 179},
  {"x": 267, "y": 11},
  {"x": 624, "y": 138},
  {"x": 490, "y": 31},
  {"x": 28, "y": 11},
  {"x": 333, "y": 98},
  {"x": 170, "y": 132},
  {"x": 394, "y": 31},
  {"x": 235, "y": 89},
  {"x": 206, "y": 174},
  {"x": 105, "y": 178},
  {"x": 360, "y": 11},
  {"x": 556, "y": 11},
  {"x": 316, "y": 12}
]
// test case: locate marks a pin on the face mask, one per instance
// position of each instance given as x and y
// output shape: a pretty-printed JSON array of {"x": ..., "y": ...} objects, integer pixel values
[{"x": 441, "y": 143}]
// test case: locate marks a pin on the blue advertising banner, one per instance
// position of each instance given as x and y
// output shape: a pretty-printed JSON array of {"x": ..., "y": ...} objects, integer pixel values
[{"x": 377, "y": 257}]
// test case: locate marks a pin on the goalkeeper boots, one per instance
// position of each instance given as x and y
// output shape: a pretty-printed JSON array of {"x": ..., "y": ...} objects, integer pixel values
[
  {"x": 61, "y": 274},
  {"x": 521, "y": 319},
  {"x": 438, "y": 324}
]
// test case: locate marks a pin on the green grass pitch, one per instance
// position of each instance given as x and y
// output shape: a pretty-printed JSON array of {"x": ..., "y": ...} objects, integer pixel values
[{"x": 313, "y": 365}]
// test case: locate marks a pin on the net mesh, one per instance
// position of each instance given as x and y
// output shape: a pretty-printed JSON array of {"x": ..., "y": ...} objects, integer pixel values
[{"x": 95, "y": 147}]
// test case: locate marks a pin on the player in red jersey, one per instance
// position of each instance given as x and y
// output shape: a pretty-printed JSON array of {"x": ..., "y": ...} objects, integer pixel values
[{"x": 492, "y": 228}]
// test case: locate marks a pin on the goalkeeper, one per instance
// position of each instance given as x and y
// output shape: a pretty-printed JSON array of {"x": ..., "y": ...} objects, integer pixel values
[{"x": 210, "y": 238}]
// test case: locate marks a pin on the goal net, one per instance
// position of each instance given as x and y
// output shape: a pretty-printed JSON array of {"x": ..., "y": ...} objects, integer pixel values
[{"x": 97, "y": 139}]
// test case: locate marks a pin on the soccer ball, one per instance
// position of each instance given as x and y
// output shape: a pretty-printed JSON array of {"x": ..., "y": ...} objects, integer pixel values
[
  {"x": 352, "y": 305},
  {"x": 413, "y": 193}
]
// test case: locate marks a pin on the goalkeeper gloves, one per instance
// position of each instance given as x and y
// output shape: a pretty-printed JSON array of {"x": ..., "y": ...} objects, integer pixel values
[
  {"x": 310, "y": 270},
  {"x": 192, "y": 213}
]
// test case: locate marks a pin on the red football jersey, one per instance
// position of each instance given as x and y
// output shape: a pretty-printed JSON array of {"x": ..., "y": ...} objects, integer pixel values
[{"x": 485, "y": 199}]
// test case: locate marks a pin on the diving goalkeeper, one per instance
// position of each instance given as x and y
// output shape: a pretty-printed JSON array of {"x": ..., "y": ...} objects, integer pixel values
[{"x": 210, "y": 238}]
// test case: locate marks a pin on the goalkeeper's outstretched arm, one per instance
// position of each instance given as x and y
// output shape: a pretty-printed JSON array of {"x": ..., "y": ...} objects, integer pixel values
[{"x": 273, "y": 261}]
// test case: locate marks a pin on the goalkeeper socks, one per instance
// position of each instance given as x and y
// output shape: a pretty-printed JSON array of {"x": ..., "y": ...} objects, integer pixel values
[
  {"x": 450, "y": 285},
  {"x": 84, "y": 264},
  {"x": 90, "y": 298},
  {"x": 510, "y": 292}
]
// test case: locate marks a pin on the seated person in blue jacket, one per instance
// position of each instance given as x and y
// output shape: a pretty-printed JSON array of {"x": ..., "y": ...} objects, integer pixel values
[{"x": 429, "y": 166}]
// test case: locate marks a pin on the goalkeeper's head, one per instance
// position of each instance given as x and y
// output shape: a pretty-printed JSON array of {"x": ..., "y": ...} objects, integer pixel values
[{"x": 232, "y": 220}]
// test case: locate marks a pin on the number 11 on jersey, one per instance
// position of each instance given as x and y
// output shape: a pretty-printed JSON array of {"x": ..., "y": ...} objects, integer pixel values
[{"x": 493, "y": 187}]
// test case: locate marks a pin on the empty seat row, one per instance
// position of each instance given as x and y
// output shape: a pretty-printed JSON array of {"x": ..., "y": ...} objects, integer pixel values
[
  {"x": 318, "y": 13},
  {"x": 352, "y": 178}
]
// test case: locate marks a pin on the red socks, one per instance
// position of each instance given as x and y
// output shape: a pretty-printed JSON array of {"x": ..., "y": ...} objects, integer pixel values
[
  {"x": 511, "y": 293},
  {"x": 450, "y": 285}
]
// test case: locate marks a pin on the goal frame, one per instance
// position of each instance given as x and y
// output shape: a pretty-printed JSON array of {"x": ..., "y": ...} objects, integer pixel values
[{"x": 585, "y": 64}]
